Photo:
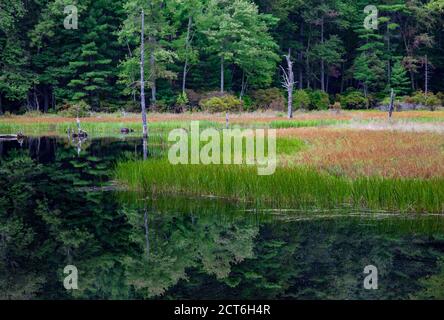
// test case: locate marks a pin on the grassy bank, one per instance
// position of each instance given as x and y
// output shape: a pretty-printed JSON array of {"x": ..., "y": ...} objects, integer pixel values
[
  {"x": 295, "y": 187},
  {"x": 95, "y": 129}
]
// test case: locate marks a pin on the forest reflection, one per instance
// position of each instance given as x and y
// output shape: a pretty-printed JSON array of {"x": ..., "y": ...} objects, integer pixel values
[{"x": 129, "y": 246}]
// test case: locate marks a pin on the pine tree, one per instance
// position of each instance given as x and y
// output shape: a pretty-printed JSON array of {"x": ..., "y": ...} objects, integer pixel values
[{"x": 399, "y": 79}]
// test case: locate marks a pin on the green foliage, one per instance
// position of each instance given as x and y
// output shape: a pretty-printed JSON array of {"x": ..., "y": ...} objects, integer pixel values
[
  {"x": 354, "y": 100},
  {"x": 221, "y": 104},
  {"x": 182, "y": 100},
  {"x": 429, "y": 100},
  {"x": 42, "y": 64},
  {"x": 399, "y": 80},
  {"x": 301, "y": 99},
  {"x": 266, "y": 99},
  {"x": 319, "y": 100},
  {"x": 79, "y": 109}
]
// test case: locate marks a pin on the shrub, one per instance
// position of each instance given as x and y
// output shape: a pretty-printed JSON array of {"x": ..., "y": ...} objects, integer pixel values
[
  {"x": 319, "y": 100},
  {"x": 440, "y": 96},
  {"x": 265, "y": 99},
  {"x": 193, "y": 97},
  {"x": 354, "y": 100},
  {"x": 428, "y": 100},
  {"x": 248, "y": 103},
  {"x": 132, "y": 106},
  {"x": 79, "y": 109},
  {"x": 110, "y": 107},
  {"x": 181, "y": 102},
  {"x": 301, "y": 99},
  {"x": 336, "y": 106},
  {"x": 221, "y": 104}
]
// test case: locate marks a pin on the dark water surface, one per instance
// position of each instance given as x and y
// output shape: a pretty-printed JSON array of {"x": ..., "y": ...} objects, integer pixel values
[{"x": 57, "y": 208}]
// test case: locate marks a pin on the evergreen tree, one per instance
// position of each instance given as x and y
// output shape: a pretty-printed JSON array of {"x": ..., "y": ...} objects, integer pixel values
[{"x": 399, "y": 79}]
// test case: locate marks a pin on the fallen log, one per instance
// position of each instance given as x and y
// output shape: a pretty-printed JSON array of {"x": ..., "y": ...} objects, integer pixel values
[{"x": 10, "y": 137}]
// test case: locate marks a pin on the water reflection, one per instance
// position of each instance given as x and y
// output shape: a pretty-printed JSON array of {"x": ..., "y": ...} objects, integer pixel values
[{"x": 127, "y": 246}]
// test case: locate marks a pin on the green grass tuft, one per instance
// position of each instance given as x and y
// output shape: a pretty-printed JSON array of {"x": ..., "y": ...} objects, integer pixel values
[{"x": 288, "y": 187}]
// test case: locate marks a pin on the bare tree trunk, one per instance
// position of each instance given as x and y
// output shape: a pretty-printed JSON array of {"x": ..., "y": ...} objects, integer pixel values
[
  {"x": 222, "y": 74},
  {"x": 142, "y": 76},
  {"x": 301, "y": 57},
  {"x": 187, "y": 47},
  {"x": 392, "y": 103},
  {"x": 322, "y": 60},
  {"x": 1, "y": 105},
  {"x": 288, "y": 83},
  {"x": 153, "y": 71},
  {"x": 426, "y": 85}
]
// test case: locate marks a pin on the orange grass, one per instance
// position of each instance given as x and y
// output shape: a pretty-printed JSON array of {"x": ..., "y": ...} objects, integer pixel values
[{"x": 364, "y": 152}]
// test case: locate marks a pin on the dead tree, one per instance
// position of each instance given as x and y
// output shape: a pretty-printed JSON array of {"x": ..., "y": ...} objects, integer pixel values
[
  {"x": 426, "y": 75},
  {"x": 288, "y": 82},
  {"x": 392, "y": 103},
  {"x": 142, "y": 75}
]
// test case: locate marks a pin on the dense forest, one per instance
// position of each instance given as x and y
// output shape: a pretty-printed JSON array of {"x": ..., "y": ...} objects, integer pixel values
[{"x": 196, "y": 49}]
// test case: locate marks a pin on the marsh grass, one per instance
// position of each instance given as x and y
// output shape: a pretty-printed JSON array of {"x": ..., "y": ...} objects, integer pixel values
[
  {"x": 284, "y": 124},
  {"x": 295, "y": 187},
  {"x": 95, "y": 129}
]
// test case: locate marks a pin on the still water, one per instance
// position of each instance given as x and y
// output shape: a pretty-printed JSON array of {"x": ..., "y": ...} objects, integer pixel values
[{"x": 59, "y": 207}]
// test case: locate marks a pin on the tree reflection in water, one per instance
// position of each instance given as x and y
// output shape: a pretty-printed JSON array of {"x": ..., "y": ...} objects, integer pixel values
[{"x": 127, "y": 246}]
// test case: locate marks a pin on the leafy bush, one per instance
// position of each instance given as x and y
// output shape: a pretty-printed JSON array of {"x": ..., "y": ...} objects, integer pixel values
[
  {"x": 181, "y": 102},
  {"x": 79, "y": 109},
  {"x": 354, "y": 100},
  {"x": 182, "y": 99},
  {"x": 319, "y": 100},
  {"x": 301, "y": 99},
  {"x": 132, "y": 106},
  {"x": 248, "y": 103},
  {"x": 221, "y": 104},
  {"x": 336, "y": 106},
  {"x": 265, "y": 99},
  {"x": 428, "y": 100}
]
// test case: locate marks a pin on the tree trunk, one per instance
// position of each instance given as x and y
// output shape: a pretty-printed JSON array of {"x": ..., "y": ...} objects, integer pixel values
[
  {"x": 222, "y": 74},
  {"x": 153, "y": 72},
  {"x": 426, "y": 84},
  {"x": 36, "y": 100},
  {"x": 322, "y": 60},
  {"x": 392, "y": 103},
  {"x": 290, "y": 104},
  {"x": 244, "y": 85},
  {"x": 1, "y": 105},
  {"x": 289, "y": 83},
  {"x": 412, "y": 79},
  {"x": 187, "y": 47},
  {"x": 45, "y": 99},
  {"x": 301, "y": 58},
  {"x": 142, "y": 77}
]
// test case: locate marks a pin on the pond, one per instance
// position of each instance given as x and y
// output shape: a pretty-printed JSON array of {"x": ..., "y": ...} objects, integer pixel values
[{"x": 59, "y": 207}]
